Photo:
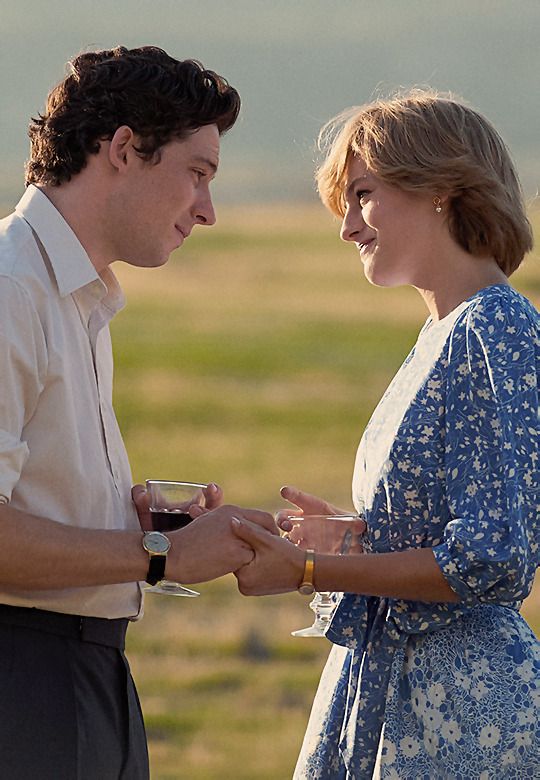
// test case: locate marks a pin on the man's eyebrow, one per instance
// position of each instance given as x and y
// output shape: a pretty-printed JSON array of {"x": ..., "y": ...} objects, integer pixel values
[{"x": 206, "y": 161}]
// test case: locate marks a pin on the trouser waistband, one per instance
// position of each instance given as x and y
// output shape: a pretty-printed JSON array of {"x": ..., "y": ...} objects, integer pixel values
[{"x": 100, "y": 631}]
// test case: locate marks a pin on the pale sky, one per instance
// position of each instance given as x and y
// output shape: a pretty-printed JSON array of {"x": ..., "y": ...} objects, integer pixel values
[{"x": 295, "y": 65}]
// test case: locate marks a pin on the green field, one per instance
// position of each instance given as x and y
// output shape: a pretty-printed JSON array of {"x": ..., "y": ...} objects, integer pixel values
[{"x": 253, "y": 359}]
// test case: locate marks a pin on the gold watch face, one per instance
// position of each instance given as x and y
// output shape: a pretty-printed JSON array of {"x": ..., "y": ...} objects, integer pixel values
[{"x": 156, "y": 542}]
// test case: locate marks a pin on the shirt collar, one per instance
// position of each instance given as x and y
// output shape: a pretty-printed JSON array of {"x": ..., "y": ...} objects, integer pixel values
[{"x": 71, "y": 265}]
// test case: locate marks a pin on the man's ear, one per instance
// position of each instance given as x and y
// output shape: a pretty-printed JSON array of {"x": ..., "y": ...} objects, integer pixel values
[{"x": 121, "y": 147}]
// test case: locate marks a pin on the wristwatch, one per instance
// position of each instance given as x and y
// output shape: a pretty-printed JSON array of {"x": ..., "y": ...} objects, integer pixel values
[
  {"x": 306, "y": 587},
  {"x": 157, "y": 545}
]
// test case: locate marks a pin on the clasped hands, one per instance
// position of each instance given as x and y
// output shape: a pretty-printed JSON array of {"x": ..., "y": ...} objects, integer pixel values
[{"x": 225, "y": 538}]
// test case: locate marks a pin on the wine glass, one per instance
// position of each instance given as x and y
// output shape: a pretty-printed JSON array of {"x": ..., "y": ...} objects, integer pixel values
[
  {"x": 169, "y": 511},
  {"x": 331, "y": 535}
]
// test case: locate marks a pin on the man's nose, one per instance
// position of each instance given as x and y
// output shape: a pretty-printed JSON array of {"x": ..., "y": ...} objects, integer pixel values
[{"x": 204, "y": 211}]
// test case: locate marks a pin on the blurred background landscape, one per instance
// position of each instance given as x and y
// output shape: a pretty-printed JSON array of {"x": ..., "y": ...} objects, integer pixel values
[
  {"x": 295, "y": 64},
  {"x": 255, "y": 357}
]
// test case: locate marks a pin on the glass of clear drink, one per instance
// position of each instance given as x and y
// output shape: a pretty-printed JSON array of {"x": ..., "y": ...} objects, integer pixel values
[{"x": 331, "y": 535}]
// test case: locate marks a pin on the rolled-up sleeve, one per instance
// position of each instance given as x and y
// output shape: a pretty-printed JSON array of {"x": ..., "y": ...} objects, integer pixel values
[
  {"x": 23, "y": 361},
  {"x": 490, "y": 549}
]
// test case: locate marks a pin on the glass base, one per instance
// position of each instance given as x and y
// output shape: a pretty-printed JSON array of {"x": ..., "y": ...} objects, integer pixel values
[
  {"x": 314, "y": 630},
  {"x": 323, "y": 607},
  {"x": 168, "y": 588},
  {"x": 318, "y": 628}
]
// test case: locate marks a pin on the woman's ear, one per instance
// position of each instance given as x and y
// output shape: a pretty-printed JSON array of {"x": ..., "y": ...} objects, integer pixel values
[{"x": 442, "y": 197}]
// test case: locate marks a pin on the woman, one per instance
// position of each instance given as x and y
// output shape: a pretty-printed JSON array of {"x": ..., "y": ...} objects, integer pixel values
[{"x": 433, "y": 673}]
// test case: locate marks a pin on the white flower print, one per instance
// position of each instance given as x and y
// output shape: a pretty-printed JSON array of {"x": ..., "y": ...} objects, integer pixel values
[
  {"x": 524, "y": 739},
  {"x": 436, "y": 694},
  {"x": 388, "y": 752},
  {"x": 432, "y": 719},
  {"x": 431, "y": 742},
  {"x": 479, "y": 690},
  {"x": 508, "y": 757},
  {"x": 489, "y": 735},
  {"x": 526, "y": 716},
  {"x": 409, "y": 746},
  {"x": 463, "y": 681},
  {"x": 482, "y": 666},
  {"x": 419, "y": 702},
  {"x": 509, "y": 385},
  {"x": 451, "y": 731},
  {"x": 527, "y": 671}
]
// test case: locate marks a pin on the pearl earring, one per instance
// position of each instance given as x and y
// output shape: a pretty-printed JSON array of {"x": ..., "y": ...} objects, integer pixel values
[{"x": 437, "y": 203}]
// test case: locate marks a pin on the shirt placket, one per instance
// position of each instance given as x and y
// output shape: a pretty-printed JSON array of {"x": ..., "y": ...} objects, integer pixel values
[{"x": 98, "y": 321}]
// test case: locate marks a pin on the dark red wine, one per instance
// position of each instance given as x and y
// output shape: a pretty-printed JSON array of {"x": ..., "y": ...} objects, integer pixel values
[{"x": 169, "y": 521}]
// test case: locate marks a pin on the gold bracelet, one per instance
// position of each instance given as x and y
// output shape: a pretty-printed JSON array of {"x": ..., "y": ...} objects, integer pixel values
[{"x": 306, "y": 587}]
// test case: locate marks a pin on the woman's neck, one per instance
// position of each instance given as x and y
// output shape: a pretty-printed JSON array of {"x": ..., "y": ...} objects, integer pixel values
[{"x": 459, "y": 280}]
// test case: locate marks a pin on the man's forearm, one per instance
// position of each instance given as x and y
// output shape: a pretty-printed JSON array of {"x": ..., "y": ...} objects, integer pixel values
[{"x": 40, "y": 554}]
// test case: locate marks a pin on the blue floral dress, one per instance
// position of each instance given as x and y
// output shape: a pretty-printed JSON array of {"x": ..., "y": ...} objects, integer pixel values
[{"x": 449, "y": 460}]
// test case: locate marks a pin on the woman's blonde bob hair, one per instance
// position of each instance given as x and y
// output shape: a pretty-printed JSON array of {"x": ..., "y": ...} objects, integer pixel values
[{"x": 422, "y": 141}]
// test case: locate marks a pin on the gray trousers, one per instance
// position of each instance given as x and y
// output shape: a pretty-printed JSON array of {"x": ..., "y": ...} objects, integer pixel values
[{"x": 68, "y": 705}]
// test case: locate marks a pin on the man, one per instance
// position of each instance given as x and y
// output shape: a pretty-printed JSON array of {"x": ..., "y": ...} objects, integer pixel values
[{"x": 120, "y": 168}]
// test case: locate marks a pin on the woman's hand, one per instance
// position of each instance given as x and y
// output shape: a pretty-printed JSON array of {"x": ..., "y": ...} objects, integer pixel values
[
  {"x": 305, "y": 504},
  {"x": 307, "y": 536},
  {"x": 332, "y": 537},
  {"x": 277, "y": 565},
  {"x": 208, "y": 547}
]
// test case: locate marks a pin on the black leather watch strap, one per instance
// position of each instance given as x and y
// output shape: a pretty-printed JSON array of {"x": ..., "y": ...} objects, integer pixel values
[
  {"x": 156, "y": 569},
  {"x": 157, "y": 545}
]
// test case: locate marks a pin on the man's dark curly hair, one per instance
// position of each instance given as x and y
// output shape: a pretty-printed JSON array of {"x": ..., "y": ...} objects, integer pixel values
[{"x": 158, "y": 97}]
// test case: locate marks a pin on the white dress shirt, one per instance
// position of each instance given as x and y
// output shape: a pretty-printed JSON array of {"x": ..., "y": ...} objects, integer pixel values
[{"x": 61, "y": 452}]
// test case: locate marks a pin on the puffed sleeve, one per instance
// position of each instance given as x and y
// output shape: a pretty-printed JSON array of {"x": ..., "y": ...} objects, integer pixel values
[
  {"x": 23, "y": 359},
  {"x": 491, "y": 548}
]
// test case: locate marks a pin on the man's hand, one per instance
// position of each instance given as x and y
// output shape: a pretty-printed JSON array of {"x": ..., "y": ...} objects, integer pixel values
[
  {"x": 141, "y": 499},
  {"x": 277, "y": 565},
  {"x": 207, "y": 548},
  {"x": 213, "y": 498}
]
